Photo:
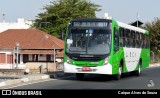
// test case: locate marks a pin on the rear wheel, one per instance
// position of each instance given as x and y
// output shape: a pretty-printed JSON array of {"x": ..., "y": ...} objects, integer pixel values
[
  {"x": 138, "y": 72},
  {"x": 119, "y": 75},
  {"x": 80, "y": 76}
]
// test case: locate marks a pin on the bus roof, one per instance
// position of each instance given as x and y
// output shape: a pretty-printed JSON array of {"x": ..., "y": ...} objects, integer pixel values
[
  {"x": 120, "y": 24},
  {"x": 131, "y": 27},
  {"x": 91, "y": 19}
]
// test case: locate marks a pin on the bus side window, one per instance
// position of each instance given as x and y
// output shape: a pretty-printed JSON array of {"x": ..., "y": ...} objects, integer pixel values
[
  {"x": 121, "y": 37},
  {"x": 127, "y": 38},
  {"x": 124, "y": 40},
  {"x": 133, "y": 39},
  {"x": 143, "y": 41},
  {"x": 138, "y": 40},
  {"x": 116, "y": 40}
]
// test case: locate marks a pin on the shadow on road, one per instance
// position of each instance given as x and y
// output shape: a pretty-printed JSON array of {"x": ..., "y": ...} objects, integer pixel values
[{"x": 99, "y": 78}]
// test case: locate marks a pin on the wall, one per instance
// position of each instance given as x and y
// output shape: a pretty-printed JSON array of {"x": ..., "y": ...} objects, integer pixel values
[
  {"x": 20, "y": 24},
  {"x": 34, "y": 67}
]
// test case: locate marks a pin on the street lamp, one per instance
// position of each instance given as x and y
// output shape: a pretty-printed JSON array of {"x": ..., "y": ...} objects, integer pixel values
[
  {"x": 137, "y": 19},
  {"x": 17, "y": 52}
]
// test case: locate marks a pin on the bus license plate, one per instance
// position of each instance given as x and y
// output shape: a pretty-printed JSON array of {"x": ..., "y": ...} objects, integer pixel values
[{"x": 86, "y": 69}]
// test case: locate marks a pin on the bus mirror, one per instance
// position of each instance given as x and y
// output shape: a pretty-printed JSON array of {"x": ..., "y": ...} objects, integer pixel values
[{"x": 69, "y": 41}]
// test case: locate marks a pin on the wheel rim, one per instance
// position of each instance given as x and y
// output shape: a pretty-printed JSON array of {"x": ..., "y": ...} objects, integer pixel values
[
  {"x": 120, "y": 70},
  {"x": 139, "y": 69}
]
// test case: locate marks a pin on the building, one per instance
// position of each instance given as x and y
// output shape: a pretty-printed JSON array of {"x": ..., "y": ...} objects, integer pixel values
[
  {"x": 106, "y": 16},
  {"x": 35, "y": 48},
  {"x": 20, "y": 24},
  {"x": 137, "y": 23}
]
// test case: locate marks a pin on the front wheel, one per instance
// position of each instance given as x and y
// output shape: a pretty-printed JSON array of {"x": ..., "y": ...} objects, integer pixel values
[{"x": 119, "y": 75}]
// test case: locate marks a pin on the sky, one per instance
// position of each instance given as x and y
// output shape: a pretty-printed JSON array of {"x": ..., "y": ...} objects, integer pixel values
[{"x": 121, "y": 10}]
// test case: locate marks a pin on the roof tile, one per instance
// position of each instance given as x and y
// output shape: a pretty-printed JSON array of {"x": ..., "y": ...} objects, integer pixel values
[{"x": 29, "y": 39}]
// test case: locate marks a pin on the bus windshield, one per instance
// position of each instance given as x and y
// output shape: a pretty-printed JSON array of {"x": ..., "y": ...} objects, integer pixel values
[{"x": 95, "y": 41}]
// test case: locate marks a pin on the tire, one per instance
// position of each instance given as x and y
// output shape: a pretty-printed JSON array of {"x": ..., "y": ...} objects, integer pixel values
[
  {"x": 138, "y": 72},
  {"x": 80, "y": 76},
  {"x": 119, "y": 75}
]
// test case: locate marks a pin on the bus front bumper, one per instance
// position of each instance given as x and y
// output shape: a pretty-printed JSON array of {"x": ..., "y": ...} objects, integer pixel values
[{"x": 104, "y": 69}]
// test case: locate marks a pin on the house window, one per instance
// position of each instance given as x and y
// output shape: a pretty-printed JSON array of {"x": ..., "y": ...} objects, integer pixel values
[
  {"x": 48, "y": 57},
  {"x": 9, "y": 59},
  {"x": 2, "y": 58},
  {"x": 35, "y": 57},
  {"x": 25, "y": 58}
]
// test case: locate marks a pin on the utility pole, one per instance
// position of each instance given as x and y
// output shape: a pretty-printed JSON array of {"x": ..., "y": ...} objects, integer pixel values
[
  {"x": 17, "y": 56},
  {"x": 137, "y": 19},
  {"x": 54, "y": 55},
  {"x": 13, "y": 66}
]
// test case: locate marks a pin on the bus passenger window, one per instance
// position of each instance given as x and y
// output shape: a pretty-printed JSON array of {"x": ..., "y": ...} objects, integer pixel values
[
  {"x": 133, "y": 39},
  {"x": 137, "y": 40},
  {"x": 144, "y": 42},
  {"x": 140, "y": 40},
  {"x": 128, "y": 36},
  {"x": 121, "y": 37},
  {"x": 116, "y": 40}
]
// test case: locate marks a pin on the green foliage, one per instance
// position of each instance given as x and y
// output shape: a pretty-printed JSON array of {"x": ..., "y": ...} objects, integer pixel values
[
  {"x": 154, "y": 29},
  {"x": 58, "y": 14}
]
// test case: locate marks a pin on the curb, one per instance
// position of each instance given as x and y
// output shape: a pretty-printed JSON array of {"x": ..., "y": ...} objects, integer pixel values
[
  {"x": 23, "y": 80},
  {"x": 61, "y": 75},
  {"x": 154, "y": 65},
  {"x": 29, "y": 78}
]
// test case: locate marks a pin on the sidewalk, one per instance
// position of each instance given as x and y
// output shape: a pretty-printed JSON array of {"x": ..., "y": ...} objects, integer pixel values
[
  {"x": 155, "y": 65},
  {"x": 15, "y": 79}
]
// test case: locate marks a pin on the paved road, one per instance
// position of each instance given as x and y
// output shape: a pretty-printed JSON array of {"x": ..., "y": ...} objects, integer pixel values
[{"x": 101, "y": 82}]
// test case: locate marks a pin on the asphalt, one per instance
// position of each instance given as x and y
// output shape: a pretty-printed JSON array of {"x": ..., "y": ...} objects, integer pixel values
[{"x": 6, "y": 80}]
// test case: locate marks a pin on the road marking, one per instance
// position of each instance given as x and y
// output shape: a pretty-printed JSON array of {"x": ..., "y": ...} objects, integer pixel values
[{"x": 29, "y": 83}]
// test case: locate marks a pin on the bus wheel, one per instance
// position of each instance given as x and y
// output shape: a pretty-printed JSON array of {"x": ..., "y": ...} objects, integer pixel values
[
  {"x": 80, "y": 76},
  {"x": 119, "y": 75},
  {"x": 138, "y": 72}
]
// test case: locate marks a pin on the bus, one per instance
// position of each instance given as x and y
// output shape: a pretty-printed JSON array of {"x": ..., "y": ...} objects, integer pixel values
[{"x": 105, "y": 46}]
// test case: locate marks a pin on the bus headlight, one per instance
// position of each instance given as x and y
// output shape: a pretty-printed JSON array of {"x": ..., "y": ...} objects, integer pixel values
[{"x": 106, "y": 60}]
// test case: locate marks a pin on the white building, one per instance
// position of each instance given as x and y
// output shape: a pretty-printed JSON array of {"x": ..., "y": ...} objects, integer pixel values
[
  {"x": 106, "y": 16},
  {"x": 20, "y": 24}
]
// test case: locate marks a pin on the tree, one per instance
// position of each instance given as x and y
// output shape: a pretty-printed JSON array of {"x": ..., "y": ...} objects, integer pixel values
[
  {"x": 57, "y": 15},
  {"x": 154, "y": 29}
]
